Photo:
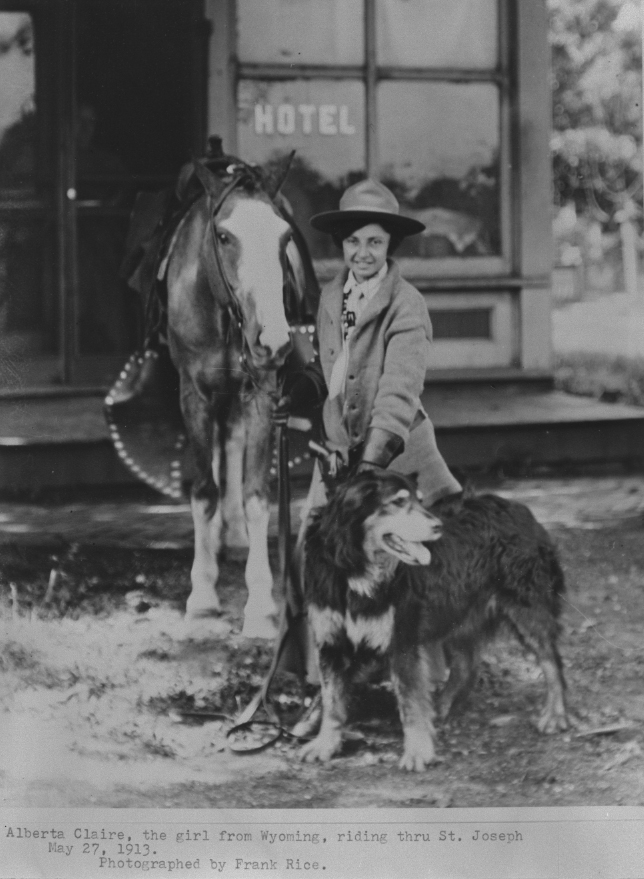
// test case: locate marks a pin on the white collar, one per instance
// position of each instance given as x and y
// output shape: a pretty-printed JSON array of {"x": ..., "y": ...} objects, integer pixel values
[{"x": 368, "y": 287}]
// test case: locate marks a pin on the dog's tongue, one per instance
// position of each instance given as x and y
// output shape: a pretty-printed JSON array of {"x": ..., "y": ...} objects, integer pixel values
[
  {"x": 411, "y": 552},
  {"x": 420, "y": 553}
]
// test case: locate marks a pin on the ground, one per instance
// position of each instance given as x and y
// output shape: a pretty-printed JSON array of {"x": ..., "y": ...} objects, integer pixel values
[{"x": 98, "y": 666}]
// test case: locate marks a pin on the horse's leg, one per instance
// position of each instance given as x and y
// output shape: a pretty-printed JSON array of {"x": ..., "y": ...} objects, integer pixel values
[
  {"x": 206, "y": 509},
  {"x": 260, "y": 613},
  {"x": 235, "y": 531}
]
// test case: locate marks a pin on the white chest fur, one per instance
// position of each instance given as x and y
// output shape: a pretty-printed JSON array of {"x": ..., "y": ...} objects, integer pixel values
[{"x": 374, "y": 632}]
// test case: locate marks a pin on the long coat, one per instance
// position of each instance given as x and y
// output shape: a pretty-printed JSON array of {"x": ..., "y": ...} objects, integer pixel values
[{"x": 387, "y": 362}]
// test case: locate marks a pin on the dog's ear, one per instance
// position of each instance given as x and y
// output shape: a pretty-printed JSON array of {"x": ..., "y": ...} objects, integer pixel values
[
  {"x": 413, "y": 478},
  {"x": 344, "y": 534}
]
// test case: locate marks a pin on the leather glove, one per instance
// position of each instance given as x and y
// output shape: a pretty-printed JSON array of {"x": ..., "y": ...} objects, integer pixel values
[{"x": 380, "y": 448}]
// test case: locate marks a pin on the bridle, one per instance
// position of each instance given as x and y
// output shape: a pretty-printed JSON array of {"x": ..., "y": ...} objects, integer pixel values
[{"x": 242, "y": 174}]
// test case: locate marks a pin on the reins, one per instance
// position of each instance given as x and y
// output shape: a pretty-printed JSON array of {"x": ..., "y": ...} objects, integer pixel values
[
  {"x": 273, "y": 727},
  {"x": 217, "y": 271},
  {"x": 245, "y": 722}
]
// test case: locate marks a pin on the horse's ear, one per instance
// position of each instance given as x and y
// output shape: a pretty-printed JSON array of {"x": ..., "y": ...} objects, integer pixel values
[
  {"x": 274, "y": 181},
  {"x": 211, "y": 184}
]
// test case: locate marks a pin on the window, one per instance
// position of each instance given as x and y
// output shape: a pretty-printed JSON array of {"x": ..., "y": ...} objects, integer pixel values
[
  {"x": 413, "y": 92},
  {"x": 465, "y": 323}
]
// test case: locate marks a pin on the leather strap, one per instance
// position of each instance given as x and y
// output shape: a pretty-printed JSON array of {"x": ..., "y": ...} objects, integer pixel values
[{"x": 291, "y": 613}]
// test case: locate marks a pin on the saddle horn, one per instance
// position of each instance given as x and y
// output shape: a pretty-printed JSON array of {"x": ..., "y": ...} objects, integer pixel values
[
  {"x": 212, "y": 185},
  {"x": 275, "y": 179}
]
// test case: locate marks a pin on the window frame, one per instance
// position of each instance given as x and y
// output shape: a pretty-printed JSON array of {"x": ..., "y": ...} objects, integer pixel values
[{"x": 418, "y": 269}]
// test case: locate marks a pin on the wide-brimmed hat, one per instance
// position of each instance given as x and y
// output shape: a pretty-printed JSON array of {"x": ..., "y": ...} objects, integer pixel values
[{"x": 372, "y": 202}]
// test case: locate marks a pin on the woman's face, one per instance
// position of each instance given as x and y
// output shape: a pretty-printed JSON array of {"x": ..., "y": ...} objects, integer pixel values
[{"x": 365, "y": 251}]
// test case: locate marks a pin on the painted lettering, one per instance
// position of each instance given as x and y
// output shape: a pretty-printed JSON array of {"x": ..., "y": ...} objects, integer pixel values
[
  {"x": 285, "y": 119},
  {"x": 307, "y": 111},
  {"x": 345, "y": 127},
  {"x": 263, "y": 119},
  {"x": 326, "y": 119}
]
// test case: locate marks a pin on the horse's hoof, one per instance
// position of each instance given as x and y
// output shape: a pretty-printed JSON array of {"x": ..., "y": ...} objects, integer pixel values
[
  {"x": 260, "y": 627},
  {"x": 197, "y": 609},
  {"x": 203, "y": 628}
]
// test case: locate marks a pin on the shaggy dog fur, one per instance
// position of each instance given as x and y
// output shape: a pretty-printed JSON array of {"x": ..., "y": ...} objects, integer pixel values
[{"x": 370, "y": 588}]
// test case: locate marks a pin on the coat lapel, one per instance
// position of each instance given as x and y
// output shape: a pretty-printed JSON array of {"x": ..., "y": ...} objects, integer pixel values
[
  {"x": 383, "y": 296},
  {"x": 331, "y": 297}
]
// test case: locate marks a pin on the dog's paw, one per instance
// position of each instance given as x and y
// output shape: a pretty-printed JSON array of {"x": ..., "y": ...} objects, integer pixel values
[
  {"x": 309, "y": 724},
  {"x": 321, "y": 749},
  {"x": 418, "y": 754},
  {"x": 552, "y": 722}
]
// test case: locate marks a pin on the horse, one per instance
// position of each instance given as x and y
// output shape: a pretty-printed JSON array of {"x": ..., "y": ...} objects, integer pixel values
[{"x": 230, "y": 294}]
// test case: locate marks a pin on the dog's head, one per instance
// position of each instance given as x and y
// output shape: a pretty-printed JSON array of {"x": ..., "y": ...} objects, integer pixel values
[{"x": 375, "y": 515}]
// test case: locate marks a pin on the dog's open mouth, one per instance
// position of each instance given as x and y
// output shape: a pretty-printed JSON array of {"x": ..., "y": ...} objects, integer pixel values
[{"x": 408, "y": 551}]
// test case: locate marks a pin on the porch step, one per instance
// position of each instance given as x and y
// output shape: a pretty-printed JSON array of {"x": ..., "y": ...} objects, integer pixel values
[
  {"x": 492, "y": 426},
  {"x": 56, "y": 442}
]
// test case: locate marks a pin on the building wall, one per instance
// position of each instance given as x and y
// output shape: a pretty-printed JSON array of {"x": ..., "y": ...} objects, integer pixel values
[{"x": 503, "y": 294}]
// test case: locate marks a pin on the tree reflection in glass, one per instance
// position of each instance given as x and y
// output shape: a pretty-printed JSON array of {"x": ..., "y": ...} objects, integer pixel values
[{"x": 438, "y": 146}]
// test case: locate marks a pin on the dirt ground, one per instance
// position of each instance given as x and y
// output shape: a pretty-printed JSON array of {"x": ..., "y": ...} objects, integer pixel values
[{"x": 94, "y": 676}]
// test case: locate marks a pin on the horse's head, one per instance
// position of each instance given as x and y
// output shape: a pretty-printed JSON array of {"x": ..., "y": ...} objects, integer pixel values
[{"x": 251, "y": 239}]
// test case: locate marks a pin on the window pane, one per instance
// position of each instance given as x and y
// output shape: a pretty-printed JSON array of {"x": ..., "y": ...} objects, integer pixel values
[
  {"x": 439, "y": 152},
  {"x": 17, "y": 102},
  {"x": 323, "y": 120},
  {"x": 436, "y": 33},
  {"x": 300, "y": 31}
]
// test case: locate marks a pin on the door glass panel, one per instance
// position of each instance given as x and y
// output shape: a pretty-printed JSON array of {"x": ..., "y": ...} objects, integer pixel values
[
  {"x": 28, "y": 311},
  {"x": 323, "y": 120},
  {"x": 436, "y": 33},
  {"x": 17, "y": 102},
  {"x": 439, "y": 152},
  {"x": 300, "y": 31}
]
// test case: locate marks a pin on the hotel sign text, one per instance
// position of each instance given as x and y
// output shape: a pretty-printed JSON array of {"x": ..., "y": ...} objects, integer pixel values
[{"x": 327, "y": 119}]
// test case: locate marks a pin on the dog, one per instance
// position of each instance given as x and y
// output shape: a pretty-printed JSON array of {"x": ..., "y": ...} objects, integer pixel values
[{"x": 372, "y": 586}]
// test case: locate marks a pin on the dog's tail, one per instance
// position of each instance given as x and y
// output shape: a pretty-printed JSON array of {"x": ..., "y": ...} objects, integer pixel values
[{"x": 557, "y": 579}]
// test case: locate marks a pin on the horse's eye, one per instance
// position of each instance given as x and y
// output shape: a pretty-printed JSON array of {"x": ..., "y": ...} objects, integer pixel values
[{"x": 223, "y": 238}]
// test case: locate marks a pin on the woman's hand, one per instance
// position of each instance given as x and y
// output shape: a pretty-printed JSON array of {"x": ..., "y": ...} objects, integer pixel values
[{"x": 379, "y": 450}]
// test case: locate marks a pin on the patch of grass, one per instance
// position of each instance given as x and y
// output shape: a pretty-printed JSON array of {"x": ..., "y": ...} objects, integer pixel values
[{"x": 611, "y": 379}]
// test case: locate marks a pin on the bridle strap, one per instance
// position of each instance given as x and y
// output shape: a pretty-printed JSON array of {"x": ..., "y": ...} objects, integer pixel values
[
  {"x": 215, "y": 268},
  {"x": 213, "y": 209}
]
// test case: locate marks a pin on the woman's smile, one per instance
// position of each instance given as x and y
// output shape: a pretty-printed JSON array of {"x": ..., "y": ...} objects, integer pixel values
[{"x": 365, "y": 250}]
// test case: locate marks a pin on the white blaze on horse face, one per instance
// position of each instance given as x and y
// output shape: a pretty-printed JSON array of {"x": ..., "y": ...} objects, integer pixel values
[{"x": 259, "y": 233}]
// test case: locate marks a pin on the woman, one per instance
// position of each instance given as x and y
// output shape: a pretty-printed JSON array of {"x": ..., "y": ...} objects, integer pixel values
[{"x": 373, "y": 332}]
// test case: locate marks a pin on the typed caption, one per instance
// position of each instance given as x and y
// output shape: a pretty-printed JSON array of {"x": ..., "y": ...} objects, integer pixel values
[{"x": 125, "y": 843}]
